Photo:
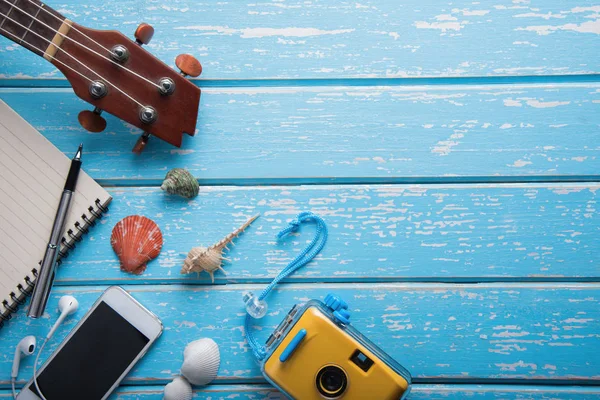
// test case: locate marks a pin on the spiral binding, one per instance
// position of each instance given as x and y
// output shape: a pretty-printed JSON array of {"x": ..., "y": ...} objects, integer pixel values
[{"x": 68, "y": 243}]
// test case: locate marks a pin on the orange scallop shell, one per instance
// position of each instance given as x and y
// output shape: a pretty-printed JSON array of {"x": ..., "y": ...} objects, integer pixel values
[{"x": 136, "y": 240}]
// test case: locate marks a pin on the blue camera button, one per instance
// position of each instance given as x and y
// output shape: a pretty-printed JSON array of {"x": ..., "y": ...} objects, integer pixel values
[
  {"x": 290, "y": 348},
  {"x": 342, "y": 316},
  {"x": 335, "y": 303}
]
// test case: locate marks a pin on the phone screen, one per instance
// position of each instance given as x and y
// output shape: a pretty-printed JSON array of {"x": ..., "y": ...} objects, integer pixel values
[{"x": 91, "y": 361}]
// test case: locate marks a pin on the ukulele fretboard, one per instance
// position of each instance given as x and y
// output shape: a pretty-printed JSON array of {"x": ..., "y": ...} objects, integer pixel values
[{"x": 29, "y": 23}]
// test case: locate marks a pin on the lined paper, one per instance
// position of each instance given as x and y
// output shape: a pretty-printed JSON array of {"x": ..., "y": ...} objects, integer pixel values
[{"x": 33, "y": 174}]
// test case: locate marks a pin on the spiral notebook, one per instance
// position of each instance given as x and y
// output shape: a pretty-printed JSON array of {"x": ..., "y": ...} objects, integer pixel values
[{"x": 32, "y": 176}]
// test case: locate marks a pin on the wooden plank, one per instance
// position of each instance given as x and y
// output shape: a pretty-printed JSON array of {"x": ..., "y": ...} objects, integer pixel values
[
  {"x": 244, "y": 39},
  {"x": 519, "y": 332},
  {"x": 429, "y": 392},
  {"x": 450, "y": 233},
  {"x": 347, "y": 135}
]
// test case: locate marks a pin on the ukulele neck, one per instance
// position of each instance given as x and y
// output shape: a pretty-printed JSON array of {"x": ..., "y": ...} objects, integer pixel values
[{"x": 32, "y": 25}]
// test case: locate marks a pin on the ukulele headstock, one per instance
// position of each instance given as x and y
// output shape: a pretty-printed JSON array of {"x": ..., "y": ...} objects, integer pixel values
[{"x": 117, "y": 75}]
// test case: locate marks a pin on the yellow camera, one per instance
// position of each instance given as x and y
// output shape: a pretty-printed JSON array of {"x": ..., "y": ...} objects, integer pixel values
[{"x": 315, "y": 354}]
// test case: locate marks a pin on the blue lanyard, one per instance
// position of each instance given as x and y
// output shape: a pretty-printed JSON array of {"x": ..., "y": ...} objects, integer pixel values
[{"x": 305, "y": 256}]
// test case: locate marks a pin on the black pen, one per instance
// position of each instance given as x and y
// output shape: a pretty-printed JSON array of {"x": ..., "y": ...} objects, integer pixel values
[{"x": 45, "y": 276}]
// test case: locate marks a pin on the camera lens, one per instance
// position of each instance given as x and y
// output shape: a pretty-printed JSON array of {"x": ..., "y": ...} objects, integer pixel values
[{"x": 332, "y": 381}]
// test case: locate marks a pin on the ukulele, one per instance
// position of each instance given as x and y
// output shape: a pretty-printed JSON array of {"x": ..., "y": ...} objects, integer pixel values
[{"x": 110, "y": 71}]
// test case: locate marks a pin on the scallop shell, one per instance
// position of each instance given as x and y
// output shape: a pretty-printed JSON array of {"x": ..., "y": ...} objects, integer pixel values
[
  {"x": 180, "y": 181},
  {"x": 201, "y": 359},
  {"x": 210, "y": 259},
  {"x": 178, "y": 389},
  {"x": 136, "y": 240}
]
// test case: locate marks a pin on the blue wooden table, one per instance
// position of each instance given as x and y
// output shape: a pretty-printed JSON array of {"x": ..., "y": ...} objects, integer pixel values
[{"x": 452, "y": 148}]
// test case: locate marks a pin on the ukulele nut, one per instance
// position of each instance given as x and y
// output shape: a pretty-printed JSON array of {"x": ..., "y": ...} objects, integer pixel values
[
  {"x": 98, "y": 89},
  {"x": 167, "y": 86},
  {"x": 119, "y": 53},
  {"x": 148, "y": 115}
]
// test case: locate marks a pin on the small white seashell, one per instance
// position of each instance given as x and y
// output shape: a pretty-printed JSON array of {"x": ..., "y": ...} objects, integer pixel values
[
  {"x": 201, "y": 359},
  {"x": 178, "y": 389}
]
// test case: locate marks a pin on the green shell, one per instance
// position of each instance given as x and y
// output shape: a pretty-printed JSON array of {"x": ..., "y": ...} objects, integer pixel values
[{"x": 180, "y": 181}]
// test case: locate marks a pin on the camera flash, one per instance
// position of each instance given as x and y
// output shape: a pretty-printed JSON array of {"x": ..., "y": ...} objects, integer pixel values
[{"x": 361, "y": 360}]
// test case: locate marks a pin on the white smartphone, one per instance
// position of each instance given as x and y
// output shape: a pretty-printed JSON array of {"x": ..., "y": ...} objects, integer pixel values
[{"x": 98, "y": 353}]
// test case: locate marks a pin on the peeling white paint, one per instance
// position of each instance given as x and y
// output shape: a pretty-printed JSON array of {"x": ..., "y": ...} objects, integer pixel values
[
  {"x": 520, "y": 163},
  {"x": 546, "y": 104},
  {"x": 584, "y": 27},
  {"x": 254, "y": 33},
  {"x": 512, "y": 103},
  {"x": 546, "y": 16},
  {"x": 478, "y": 13},
  {"x": 442, "y": 26}
]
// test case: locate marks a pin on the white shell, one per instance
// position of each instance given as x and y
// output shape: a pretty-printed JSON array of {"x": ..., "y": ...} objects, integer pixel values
[
  {"x": 178, "y": 389},
  {"x": 201, "y": 359}
]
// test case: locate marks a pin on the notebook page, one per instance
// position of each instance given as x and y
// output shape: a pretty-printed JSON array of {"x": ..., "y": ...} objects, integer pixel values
[{"x": 31, "y": 183}]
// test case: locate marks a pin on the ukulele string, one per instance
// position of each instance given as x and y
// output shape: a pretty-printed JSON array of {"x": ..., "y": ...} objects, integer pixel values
[
  {"x": 41, "y": 51},
  {"x": 41, "y": 7},
  {"x": 81, "y": 44},
  {"x": 68, "y": 54}
]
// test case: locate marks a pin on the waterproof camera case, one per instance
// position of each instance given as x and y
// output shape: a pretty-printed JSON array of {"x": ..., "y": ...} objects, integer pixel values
[{"x": 316, "y": 354}]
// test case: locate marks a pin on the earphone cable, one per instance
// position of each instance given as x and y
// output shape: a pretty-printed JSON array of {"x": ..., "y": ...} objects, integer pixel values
[
  {"x": 14, "y": 391},
  {"x": 35, "y": 381}
]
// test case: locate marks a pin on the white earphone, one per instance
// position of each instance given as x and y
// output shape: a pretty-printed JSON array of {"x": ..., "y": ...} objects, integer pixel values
[
  {"x": 67, "y": 305},
  {"x": 26, "y": 347}
]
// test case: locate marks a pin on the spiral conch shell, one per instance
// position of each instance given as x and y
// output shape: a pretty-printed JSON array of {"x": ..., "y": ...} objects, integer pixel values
[
  {"x": 136, "y": 240},
  {"x": 180, "y": 181},
  {"x": 210, "y": 259}
]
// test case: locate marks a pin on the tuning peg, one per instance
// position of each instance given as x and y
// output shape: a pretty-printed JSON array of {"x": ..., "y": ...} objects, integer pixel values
[
  {"x": 141, "y": 143},
  {"x": 188, "y": 65},
  {"x": 92, "y": 120},
  {"x": 143, "y": 33}
]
